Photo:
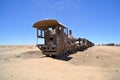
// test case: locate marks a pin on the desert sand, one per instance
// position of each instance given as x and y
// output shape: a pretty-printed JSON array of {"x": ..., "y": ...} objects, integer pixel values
[{"x": 28, "y": 63}]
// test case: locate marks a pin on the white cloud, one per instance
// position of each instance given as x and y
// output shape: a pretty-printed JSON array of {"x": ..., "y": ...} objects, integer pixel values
[
  {"x": 62, "y": 4},
  {"x": 59, "y": 5}
]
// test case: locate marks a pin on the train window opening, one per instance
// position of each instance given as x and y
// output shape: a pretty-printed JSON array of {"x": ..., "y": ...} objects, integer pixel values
[
  {"x": 66, "y": 31},
  {"x": 44, "y": 48},
  {"x": 40, "y": 34},
  {"x": 50, "y": 29},
  {"x": 51, "y": 38},
  {"x": 60, "y": 28},
  {"x": 53, "y": 48},
  {"x": 43, "y": 34}
]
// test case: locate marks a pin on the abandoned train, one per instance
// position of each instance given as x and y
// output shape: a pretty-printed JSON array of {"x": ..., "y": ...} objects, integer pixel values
[{"x": 57, "y": 40}]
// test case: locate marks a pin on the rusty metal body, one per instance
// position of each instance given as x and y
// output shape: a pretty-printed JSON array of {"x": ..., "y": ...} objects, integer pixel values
[
  {"x": 55, "y": 37},
  {"x": 57, "y": 41},
  {"x": 83, "y": 44}
]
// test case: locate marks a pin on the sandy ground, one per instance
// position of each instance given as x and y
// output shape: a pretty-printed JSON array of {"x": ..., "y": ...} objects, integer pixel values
[{"x": 27, "y": 63}]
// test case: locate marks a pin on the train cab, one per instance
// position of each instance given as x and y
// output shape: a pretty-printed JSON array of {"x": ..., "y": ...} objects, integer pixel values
[{"x": 54, "y": 35}]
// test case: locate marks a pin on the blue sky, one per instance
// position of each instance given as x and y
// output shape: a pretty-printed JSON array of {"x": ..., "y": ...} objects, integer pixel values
[{"x": 96, "y": 20}]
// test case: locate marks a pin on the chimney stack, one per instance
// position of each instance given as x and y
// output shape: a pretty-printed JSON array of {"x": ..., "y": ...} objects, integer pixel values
[{"x": 70, "y": 32}]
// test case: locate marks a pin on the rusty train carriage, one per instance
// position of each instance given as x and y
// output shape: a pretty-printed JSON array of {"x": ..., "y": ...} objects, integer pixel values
[
  {"x": 83, "y": 44},
  {"x": 57, "y": 40},
  {"x": 55, "y": 37}
]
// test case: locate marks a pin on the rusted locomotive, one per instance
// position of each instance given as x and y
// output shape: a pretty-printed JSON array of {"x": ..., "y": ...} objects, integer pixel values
[{"x": 57, "y": 40}]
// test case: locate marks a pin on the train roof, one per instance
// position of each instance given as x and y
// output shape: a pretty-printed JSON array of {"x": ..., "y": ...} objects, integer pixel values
[{"x": 45, "y": 24}]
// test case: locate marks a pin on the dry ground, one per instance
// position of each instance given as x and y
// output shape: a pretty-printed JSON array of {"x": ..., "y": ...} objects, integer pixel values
[{"x": 27, "y": 63}]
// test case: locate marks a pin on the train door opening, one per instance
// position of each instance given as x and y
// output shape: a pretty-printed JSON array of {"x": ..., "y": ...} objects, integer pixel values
[{"x": 40, "y": 37}]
